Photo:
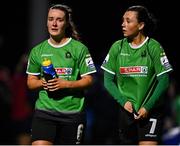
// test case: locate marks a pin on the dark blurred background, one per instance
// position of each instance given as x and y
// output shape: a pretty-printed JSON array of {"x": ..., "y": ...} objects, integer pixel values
[{"x": 23, "y": 25}]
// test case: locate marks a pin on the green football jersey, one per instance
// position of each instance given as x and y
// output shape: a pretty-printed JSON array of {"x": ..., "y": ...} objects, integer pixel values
[
  {"x": 71, "y": 61},
  {"x": 136, "y": 69}
]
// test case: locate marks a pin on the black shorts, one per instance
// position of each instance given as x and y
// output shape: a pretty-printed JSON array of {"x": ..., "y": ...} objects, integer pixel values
[
  {"x": 132, "y": 131},
  {"x": 57, "y": 132}
]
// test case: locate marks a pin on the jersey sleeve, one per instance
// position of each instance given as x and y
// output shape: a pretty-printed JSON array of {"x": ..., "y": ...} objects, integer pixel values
[
  {"x": 109, "y": 63},
  {"x": 33, "y": 67},
  {"x": 86, "y": 64},
  {"x": 160, "y": 60}
]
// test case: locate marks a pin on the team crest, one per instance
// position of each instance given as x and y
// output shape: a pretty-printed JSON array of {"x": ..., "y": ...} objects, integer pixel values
[{"x": 68, "y": 55}]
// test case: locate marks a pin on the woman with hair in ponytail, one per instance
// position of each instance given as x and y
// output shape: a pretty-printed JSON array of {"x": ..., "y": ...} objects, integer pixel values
[
  {"x": 59, "y": 116},
  {"x": 136, "y": 74}
]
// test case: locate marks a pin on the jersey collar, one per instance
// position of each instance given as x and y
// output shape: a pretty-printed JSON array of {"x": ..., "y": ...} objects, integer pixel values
[
  {"x": 59, "y": 46},
  {"x": 136, "y": 47}
]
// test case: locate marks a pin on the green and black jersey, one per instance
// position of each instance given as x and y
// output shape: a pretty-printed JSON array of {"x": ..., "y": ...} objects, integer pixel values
[
  {"x": 136, "y": 69},
  {"x": 71, "y": 61}
]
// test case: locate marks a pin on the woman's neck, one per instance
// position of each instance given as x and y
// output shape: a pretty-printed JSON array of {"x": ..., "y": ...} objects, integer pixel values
[
  {"x": 58, "y": 41},
  {"x": 136, "y": 41}
]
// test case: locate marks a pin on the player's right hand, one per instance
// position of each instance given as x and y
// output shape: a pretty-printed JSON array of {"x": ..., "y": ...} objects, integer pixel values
[{"x": 128, "y": 106}]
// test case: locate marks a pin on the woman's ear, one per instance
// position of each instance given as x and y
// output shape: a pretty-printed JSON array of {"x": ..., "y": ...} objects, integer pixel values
[{"x": 141, "y": 25}]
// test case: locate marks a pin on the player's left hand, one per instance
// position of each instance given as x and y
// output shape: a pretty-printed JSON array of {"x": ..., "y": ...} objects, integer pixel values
[
  {"x": 56, "y": 84},
  {"x": 143, "y": 113}
]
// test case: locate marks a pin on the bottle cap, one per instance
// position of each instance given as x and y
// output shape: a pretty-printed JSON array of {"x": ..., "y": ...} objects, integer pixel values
[{"x": 46, "y": 62}]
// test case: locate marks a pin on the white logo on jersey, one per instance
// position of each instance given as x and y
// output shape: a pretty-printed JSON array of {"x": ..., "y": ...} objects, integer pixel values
[
  {"x": 125, "y": 54},
  {"x": 165, "y": 62},
  {"x": 89, "y": 62},
  {"x": 45, "y": 55},
  {"x": 106, "y": 59}
]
